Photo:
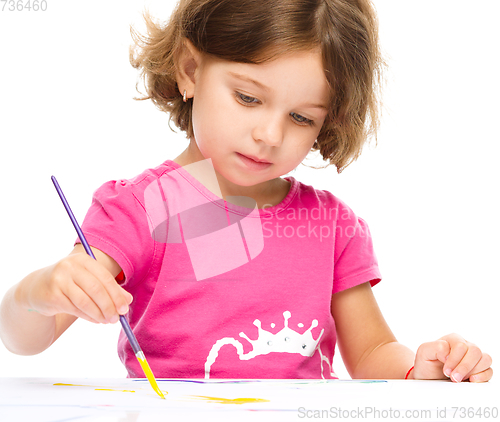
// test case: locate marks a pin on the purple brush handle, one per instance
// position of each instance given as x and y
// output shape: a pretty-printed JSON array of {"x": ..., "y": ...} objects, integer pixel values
[
  {"x": 125, "y": 325},
  {"x": 72, "y": 218},
  {"x": 130, "y": 335}
]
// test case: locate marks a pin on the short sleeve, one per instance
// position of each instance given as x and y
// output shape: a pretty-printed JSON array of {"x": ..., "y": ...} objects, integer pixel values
[
  {"x": 354, "y": 257},
  {"x": 116, "y": 223}
]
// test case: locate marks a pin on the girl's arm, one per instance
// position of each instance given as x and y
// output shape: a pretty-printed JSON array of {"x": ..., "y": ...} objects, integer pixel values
[
  {"x": 370, "y": 350},
  {"x": 37, "y": 310}
]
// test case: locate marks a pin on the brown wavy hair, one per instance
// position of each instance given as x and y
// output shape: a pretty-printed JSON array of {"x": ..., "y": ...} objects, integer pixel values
[{"x": 255, "y": 31}]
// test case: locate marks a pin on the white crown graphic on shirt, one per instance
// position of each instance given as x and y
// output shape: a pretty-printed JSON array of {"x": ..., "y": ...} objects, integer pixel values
[{"x": 284, "y": 341}]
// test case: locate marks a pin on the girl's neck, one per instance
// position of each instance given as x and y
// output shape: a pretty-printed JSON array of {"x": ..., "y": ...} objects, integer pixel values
[{"x": 266, "y": 194}]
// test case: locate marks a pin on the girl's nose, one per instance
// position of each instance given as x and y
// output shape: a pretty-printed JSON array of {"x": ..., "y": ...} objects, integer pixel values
[{"x": 269, "y": 130}]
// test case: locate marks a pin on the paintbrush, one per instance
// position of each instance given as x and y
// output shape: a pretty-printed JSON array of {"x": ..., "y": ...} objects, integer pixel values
[{"x": 125, "y": 325}]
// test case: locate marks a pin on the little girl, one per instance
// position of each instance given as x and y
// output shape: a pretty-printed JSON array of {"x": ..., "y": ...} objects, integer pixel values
[{"x": 224, "y": 268}]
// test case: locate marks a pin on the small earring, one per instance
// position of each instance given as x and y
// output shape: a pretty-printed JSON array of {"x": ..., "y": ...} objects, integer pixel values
[{"x": 184, "y": 96}]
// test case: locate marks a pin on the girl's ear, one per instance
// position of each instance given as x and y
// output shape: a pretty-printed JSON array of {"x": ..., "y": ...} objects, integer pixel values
[{"x": 188, "y": 61}]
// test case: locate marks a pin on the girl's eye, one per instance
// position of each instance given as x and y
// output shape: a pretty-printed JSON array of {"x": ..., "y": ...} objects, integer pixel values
[
  {"x": 246, "y": 99},
  {"x": 301, "y": 119}
]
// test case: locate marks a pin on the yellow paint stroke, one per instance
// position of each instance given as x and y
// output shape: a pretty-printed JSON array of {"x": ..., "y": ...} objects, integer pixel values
[
  {"x": 94, "y": 386},
  {"x": 242, "y": 400}
]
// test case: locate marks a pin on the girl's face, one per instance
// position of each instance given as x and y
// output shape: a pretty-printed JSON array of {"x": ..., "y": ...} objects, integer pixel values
[{"x": 270, "y": 112}]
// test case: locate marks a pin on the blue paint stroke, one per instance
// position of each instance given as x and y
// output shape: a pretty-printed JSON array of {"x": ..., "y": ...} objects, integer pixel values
[{"x": 308, "y": 382}]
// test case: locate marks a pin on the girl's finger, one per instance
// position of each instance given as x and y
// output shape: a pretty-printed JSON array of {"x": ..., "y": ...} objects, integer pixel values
[
  {"x": 482, "y": 376},
  {"x": 482, "y": 366},
  {"x": 120, "y": 297},
  {"x": 115, "y": 292},
  {"x": 98, "y": 296},
  {"x": 458, "y": 348},
  {"x": 84, "y": 303},
  {"x": 69, "y": 308},
  {"x": 429, "y": 360},
  {"x": 471, "y": 355},
  {"x": 434, "y": 351}
]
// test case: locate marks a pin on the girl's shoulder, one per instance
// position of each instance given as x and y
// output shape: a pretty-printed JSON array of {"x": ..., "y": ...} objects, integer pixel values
[
  {"x": 129, "y": 193},
  {"x": 148, "y": 176},
  {"x": 309, "y": 196}
]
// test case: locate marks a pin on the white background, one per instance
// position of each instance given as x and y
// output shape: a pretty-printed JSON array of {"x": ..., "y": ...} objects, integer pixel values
[{"x": 429, "y": 190}]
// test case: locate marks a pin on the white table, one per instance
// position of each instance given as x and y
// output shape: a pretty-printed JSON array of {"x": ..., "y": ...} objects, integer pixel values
[{"x": 132, "y": 400}]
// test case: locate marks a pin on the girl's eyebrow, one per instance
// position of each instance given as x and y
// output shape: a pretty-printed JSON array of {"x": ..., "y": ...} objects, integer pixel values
[{"x": 248, "y": 79}]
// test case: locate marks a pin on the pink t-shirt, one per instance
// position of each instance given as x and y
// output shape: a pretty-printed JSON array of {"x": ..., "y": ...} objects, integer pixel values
[{"x": 229, "y": 291}]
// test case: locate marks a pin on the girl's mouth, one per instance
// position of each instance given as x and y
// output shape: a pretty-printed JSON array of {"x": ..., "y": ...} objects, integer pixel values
[{"x": 252, "y": 164}]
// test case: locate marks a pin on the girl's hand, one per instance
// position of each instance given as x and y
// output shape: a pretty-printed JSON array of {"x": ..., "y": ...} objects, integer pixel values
[
  {"x": 77, "y": 285},
  {"x": 452, "y": 357}
]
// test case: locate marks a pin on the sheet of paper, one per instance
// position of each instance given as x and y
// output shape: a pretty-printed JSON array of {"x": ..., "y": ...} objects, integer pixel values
[{"x": 132, "y": 400}]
